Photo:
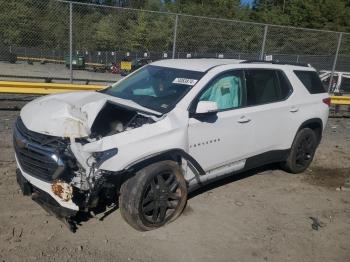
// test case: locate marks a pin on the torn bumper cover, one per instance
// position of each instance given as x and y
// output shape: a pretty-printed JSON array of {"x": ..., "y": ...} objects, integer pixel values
[
  {"x": 39, "y": 164},
  {"x": 62, "y": 151},
  {"x": 48, "y": 171},
  {"x": 47, "y": 201}
]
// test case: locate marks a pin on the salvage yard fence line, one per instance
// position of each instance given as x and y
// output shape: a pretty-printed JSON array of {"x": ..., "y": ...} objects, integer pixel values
[
  {"x": 52, "y": 88},
  {"x": 69, "y": 29},
  {"x": 195, "y": 16}
]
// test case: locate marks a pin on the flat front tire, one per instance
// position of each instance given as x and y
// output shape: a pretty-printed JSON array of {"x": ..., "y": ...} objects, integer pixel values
[{"x": 155, "y": 196}]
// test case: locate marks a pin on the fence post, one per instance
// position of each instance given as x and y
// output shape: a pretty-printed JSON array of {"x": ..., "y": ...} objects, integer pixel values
[
  {"x": 335, "y": 62},
  {"x": 175, "y": 35},
  {"x": 70, "y": 42},
  {"x": 263, "y": 43}
]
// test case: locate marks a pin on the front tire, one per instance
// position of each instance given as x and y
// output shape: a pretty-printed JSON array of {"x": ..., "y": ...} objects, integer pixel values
[
  {"x": 302, "y": 151},
  {"x": 155, "y": 196}
]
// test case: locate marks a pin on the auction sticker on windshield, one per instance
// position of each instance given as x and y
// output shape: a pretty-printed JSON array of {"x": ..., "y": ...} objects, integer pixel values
[{"x": 185, "y": 81}]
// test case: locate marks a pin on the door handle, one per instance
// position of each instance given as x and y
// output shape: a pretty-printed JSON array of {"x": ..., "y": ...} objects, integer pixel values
[
  {"x": 293, "y": 109},
  {"x": 243, "y": 120}
]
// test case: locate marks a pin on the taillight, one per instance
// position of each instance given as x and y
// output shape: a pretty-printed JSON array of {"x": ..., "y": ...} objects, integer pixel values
[{"x": 327, "y": 101}]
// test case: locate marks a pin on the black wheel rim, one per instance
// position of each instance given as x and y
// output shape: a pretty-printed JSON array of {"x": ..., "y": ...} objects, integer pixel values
[
  {"x": 161, "y": 198},
  {"x": 305, "y": 151}
]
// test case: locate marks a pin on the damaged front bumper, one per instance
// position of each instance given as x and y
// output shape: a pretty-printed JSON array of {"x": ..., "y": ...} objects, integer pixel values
[
  {"x": 51, "y": 173},
  {"x": 43, "y": 198},
  {"x": 47, "y": 201},
  {"x": 42, "y": 193},
  {"x": 42, "y": 161}
]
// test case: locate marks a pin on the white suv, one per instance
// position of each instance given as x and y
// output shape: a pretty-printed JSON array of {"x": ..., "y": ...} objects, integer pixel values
[{"x": 164, "y": 130}]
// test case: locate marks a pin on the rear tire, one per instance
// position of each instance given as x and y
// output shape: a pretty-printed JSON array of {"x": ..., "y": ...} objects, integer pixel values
[
  {"x": 302, "y": 151},
  {"x": 155, "y": 196}
]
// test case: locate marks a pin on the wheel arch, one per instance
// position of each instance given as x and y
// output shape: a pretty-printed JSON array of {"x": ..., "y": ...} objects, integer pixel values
[
  {"x": 315, "y": 124},
  {"x": 175, "y": 155}
]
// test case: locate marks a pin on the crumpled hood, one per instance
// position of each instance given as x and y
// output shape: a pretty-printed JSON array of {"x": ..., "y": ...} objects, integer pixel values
[{"x": 69, "y": 114}]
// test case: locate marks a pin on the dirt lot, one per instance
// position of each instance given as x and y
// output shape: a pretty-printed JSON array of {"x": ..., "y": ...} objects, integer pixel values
[{"x": 259, "y": 216}]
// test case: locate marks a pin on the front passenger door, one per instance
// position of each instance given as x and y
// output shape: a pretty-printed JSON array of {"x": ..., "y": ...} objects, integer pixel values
[{"x": 221, "y": 141}]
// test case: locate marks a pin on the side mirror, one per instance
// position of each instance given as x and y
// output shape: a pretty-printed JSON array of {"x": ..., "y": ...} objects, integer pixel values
[{"x": 204, "y": 107}]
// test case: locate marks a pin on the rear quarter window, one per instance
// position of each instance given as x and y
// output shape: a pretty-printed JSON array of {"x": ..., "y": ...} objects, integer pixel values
[{"x": 311, "y": 81}]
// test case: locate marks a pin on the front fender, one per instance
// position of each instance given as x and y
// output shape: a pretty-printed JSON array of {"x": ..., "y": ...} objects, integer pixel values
[
  {"x": 134, "y": 152},
  {"x": 141, "y": 143},
  {"x": 175, "y": 154}
]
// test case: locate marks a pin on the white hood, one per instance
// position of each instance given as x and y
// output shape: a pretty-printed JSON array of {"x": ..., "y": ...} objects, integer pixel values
[{"x": 69, "y": 114}]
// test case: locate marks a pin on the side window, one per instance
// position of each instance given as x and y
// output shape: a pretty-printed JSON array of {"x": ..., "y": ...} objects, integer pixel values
[
  {"x": 226, "y": 90},
  {"x": 263, "y": 87},
  {"x": 345, "y": 84},
  {"x": 311, "y": 81}
]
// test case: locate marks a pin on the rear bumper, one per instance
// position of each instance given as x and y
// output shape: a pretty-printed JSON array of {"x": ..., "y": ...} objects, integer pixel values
[{"x": 41, "y": 193}]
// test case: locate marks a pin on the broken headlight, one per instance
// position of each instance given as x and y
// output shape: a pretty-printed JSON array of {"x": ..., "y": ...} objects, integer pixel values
[{"x": 102, "y": 156}]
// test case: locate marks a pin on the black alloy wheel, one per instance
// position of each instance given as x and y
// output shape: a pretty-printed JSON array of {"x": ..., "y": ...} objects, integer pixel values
[
  {"x": 302, "y": 151},
  {"x": 155, "y": 196},
  {"x": 161, "y": 198}
]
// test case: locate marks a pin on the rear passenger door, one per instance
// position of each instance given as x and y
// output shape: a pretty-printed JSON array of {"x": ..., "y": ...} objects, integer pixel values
[{"x": 272, "y": 116}]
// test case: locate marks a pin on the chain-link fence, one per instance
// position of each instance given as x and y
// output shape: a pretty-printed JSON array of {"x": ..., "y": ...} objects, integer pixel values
[{"x": 48, "y": 38}]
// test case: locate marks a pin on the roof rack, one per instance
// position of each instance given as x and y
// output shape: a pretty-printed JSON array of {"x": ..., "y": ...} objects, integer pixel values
[{"x": 277, "y": 62}]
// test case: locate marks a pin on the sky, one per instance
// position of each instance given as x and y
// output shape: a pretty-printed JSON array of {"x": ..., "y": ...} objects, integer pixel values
[{"x": 246, "y": 1}]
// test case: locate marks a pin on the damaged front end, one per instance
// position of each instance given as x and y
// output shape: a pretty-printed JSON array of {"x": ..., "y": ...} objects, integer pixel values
[{"x": 63, "y": 177}]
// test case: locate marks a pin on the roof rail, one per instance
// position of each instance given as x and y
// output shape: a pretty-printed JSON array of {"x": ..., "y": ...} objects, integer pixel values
[{"x": 277, "y": 62}]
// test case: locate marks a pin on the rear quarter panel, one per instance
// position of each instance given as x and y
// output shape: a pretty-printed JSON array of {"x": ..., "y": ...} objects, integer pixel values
[{"x": 310, "y": 106}]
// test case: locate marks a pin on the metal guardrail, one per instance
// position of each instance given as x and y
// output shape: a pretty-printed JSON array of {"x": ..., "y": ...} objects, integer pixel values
[
  {"x": 340, "y": 100},
  {"x": 51, "y": 88},
  {"x": 49, "y": 79},
  {"x": 43, "y": 88}
]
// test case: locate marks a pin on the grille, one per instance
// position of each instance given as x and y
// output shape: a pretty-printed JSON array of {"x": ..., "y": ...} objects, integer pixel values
[
  {"x": 40, "y": 139},
  {"x": 35, "y": 152}
]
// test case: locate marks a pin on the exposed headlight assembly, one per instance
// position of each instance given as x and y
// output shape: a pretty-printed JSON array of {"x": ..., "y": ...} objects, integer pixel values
[{"x": 102, "y": 156}]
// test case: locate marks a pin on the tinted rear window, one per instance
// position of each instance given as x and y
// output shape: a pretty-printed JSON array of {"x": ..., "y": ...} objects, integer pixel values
[{"x": 311, "y": 81}]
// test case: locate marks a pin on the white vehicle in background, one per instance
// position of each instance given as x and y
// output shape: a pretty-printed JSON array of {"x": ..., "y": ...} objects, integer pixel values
[
  {"x": 340, "y": 82},
  {"x": 164, "y": 130}
]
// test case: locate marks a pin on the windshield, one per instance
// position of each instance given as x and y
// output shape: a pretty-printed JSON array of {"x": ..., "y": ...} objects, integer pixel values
[{"x": 155, "y": 87}]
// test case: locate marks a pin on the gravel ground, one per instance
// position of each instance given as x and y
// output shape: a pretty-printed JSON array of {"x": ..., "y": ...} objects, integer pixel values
[{"x": 263, "y": 215}]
